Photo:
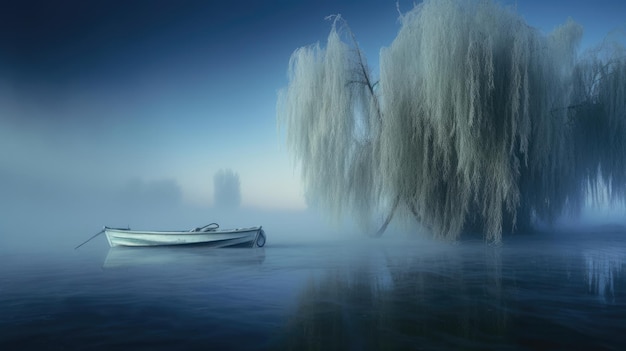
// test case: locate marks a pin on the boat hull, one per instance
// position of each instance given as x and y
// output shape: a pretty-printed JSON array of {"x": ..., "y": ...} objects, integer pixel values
[{"x": 242, "y": 237}]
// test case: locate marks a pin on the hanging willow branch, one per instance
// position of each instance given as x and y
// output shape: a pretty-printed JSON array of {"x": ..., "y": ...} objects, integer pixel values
[{"x": 479, "y": 121}]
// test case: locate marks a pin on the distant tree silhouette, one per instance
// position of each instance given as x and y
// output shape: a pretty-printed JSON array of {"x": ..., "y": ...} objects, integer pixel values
[{"x": 227, "y": 189}]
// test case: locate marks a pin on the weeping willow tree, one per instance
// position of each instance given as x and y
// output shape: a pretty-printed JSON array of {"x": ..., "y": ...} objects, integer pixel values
[
  {"x": 479, "y": 122},
  {"x": 331, "y": 113},
  {"x": 599, "y": 125}
]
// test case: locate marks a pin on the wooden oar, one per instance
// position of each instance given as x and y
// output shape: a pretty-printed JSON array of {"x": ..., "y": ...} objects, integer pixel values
[{"x": 88, "y": 240}]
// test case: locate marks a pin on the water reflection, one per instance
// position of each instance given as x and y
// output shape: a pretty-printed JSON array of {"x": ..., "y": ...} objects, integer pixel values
[
  {"x": 392, "y": 300},
  {"x": 181, "y": 256},
  {"x": 605, "y": 267},
  {"x": 532, "y": 293},
  {"x": 462, "y": 297}
]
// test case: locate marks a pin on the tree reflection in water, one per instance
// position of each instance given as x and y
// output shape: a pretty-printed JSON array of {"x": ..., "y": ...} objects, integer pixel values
[
  {"x": 605, "y": 269},
  {"x": 394, "y": 300},
  {"x": 461, "y": 296}
]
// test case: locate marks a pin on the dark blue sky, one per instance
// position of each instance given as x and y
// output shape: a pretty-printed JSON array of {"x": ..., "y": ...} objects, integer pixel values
[
  {"x": 115, "y": 46},
  {"x": 159, "y": 89},
  {"x": 180, "y": 89}
]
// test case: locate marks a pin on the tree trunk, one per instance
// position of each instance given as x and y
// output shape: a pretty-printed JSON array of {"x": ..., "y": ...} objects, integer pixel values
[{"x": 382, "y": 229}]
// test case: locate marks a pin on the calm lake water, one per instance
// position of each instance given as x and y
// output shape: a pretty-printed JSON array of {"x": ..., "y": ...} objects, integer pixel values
[{"x": 546, "y": 291}]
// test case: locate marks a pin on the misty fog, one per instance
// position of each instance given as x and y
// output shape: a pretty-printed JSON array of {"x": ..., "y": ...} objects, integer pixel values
[
  {"x": 164, "y": 116},
  {"x": 40, "y": 216},
  {"x": 226, "y": 189}
]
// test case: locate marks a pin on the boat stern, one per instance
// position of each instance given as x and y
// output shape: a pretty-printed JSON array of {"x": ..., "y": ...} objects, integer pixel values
[{"x": 260, "y": 238}]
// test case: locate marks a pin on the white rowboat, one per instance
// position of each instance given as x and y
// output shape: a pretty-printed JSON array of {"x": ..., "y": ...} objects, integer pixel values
[{"x": 209, "y": 235}]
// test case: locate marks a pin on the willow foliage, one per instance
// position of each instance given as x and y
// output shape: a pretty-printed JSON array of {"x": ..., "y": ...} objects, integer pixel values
[
  {"x": 329, "y": 112},
  {"x": 478, "y": 121}
]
